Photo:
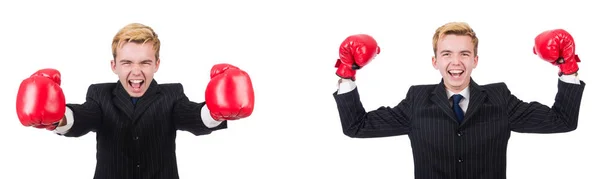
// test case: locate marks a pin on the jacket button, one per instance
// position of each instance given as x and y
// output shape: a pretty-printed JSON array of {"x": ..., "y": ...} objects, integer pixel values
[
  {"x": 460, "y": 160},
  {"x": 459, "y": 133},
  {"x": 135, "y": 138}
]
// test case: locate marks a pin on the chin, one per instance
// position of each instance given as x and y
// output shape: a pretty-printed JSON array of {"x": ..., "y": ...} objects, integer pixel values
[
  {"x": 456, "y": 83},
  {"x": 134, "y": 94}
]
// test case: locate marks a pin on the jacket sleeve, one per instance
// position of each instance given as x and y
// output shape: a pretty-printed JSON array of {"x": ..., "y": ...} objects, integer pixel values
[
  {"x": 382, "y": 122},
  {"x": 192, "y": 116},
  {"x": 83, "y": 118},
  {"x": 534, "y": 117}
]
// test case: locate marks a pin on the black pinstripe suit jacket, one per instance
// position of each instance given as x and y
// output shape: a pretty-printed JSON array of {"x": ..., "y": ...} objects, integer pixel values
[
  {"x": 137, "y": 141},
  {"x": 476, "y": 149}
]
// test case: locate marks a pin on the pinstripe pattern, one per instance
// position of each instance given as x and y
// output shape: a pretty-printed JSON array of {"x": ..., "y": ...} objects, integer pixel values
[
  {"x": 137, "y": 141},
  {"x": 476, "y": 149}
]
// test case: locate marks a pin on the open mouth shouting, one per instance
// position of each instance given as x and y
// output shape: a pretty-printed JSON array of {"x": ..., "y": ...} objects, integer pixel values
[
  {"x": 136, "y": 85},
  {"x": 456, "y": 73}
]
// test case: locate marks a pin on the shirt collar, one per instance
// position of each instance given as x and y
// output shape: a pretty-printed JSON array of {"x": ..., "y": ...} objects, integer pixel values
[{"x": 465, "y": 93}]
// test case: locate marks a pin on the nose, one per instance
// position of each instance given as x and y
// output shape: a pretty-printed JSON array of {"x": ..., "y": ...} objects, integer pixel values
[
  {"x": 136, "y": 70},
  {"x": 455, "y": 60}
]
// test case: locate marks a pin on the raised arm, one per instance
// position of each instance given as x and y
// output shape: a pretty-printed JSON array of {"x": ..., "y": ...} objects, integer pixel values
[
  {"x": 558, "y": 48},
  {"x": 359, "y": 123}
]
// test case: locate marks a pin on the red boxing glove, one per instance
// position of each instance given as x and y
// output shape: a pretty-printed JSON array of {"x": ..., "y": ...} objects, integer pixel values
[
  {"x": 50, "y": 73},
  {"x": 48, "y": 127},
  {"x": 229, "y": 94},
  {"x": 356, "y": 51},
  {"x": 40, "y": 100},
  {"x": 557, "y": 47}
]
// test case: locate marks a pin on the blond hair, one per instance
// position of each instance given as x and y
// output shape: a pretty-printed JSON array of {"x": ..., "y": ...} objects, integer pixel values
[
  {"x": 455, "y": 28},
  {"x": 137, "y": 33}
]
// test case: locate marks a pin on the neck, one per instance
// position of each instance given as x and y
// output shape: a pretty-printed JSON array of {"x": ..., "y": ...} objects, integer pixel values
[{"x": 456, "y": 89}]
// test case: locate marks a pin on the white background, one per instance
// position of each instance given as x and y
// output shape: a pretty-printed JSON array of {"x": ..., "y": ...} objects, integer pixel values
[{"x": 289, "y": 49}]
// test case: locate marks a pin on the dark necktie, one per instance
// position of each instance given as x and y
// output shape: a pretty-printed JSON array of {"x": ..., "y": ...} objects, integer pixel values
[
  {"x": 134, "y": 100},
  {"x": 457, "y": 110}
]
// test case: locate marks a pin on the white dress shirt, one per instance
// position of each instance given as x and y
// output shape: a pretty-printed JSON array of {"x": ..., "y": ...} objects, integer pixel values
[{"x": 464, "y": 102}]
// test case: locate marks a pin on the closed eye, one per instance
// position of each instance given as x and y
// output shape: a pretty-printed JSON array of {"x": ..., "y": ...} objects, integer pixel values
[{"x": 147, "y": 62}]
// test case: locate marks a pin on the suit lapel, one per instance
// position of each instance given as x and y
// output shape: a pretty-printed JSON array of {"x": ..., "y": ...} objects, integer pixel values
[
  {"x": 439, "y": 97},
  {"x": 146, "y": 100},
  {"x": 476, "y": 99},
  {"x": 122, "y": 100}
]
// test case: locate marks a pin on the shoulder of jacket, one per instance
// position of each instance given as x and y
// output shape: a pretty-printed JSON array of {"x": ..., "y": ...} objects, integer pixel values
[
  {"x": 422, "y": 87},
  {"x": 170, "y": 85},
  {"x": 498, "y": 86},
  {"x": 100, "y": 86},
  {"x": 174, "y": 88}
]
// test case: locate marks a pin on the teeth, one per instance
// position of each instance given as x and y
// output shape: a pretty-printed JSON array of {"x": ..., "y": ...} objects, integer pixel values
[
  {"x": 456, "y": 71},
  {"x": 136, "y": 81}
]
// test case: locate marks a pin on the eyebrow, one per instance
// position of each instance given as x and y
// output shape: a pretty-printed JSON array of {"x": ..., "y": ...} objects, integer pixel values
[
  {"x": 143, "y": 61},
  {"x": 463, "y": 51}
]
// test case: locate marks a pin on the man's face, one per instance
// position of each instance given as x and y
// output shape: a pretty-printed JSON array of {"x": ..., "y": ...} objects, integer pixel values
[
  {"x": 135, "y": 64},
  {"x": 455, "y": 60}
]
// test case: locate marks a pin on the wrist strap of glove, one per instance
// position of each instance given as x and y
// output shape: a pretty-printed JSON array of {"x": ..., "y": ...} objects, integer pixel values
[{"x": 561, "y": 74}]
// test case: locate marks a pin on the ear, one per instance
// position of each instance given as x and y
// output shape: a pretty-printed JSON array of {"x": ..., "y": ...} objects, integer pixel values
[
  {"x": 434, "y": 62},
  {"x": 157, "y": 65},
  {"x": 113, "y": 66},
  {"x": 475, "y": 61}
]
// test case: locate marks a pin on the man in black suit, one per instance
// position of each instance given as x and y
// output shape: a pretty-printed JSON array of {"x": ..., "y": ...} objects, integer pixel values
[
  {"x": 135, "y": 119},
  {"x": 458, "y": 128}
]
